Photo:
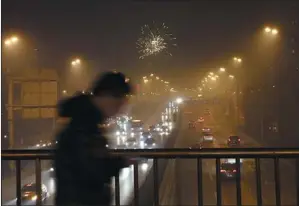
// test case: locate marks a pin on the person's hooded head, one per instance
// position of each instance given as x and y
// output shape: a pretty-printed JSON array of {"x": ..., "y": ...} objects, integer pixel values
[
  {"x": 108, "y": 95},
  {"x": 111, "y": 92}
]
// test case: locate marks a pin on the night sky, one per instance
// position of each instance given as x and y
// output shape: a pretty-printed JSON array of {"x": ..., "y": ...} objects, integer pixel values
[{"x": 105, "y": 33}]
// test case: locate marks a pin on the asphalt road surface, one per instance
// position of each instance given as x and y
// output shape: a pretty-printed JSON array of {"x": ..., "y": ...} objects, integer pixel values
[{"x": 186, "y": 170}]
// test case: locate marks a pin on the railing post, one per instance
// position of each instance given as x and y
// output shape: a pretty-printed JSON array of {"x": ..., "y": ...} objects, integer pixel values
[
  {"x": 18, "y": 182},
  {"x": 218, "y": 182},
  {"x": 238, "y": 182},
  {"x": 136, "y": 185},
  {"x": 277, "y": 181},
  {"x": 199, "y": 182},
  {"x": 258, "y": 182},
  {"x": 38, "y": 180},
  {"x": 156, "y": 183},
  {"x": 297, "y": 179},
  {"x": 117, "y": 191}
]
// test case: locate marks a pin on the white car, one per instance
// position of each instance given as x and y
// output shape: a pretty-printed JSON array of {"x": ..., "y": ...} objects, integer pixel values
[{"x": 200, "y": 120}]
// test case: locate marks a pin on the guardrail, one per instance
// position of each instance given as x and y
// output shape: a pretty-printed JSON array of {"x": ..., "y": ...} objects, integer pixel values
[{"x": 158, "y": 154}]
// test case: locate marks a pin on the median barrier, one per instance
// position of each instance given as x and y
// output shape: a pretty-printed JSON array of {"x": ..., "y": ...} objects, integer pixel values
[{"x": 146, "y": 190}]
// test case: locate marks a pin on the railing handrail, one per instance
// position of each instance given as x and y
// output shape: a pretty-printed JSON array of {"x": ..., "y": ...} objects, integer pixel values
[{"x": 167, "y": 153}]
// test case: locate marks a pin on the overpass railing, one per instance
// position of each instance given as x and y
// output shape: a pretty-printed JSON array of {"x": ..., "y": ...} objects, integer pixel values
[{"x": 158, "y": 154}]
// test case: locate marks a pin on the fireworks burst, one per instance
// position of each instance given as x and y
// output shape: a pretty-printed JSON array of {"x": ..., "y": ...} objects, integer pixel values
[{"x": 154, "y": 40}]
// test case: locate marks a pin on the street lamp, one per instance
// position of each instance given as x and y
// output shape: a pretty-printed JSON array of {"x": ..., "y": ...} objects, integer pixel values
[
  {"x": 152, "y": 75},
  {"x": 157, "y": 78},
  {"x": 237, "y": 59},
  {"x": 145, "y": 81},
  {"x": 222, "y": 69},
  {"x": 231, "y": 76},
  {"x": 11, "y": 41},
  {"x": 272, "y": 31},
  {"x": 76, "y": 62}
]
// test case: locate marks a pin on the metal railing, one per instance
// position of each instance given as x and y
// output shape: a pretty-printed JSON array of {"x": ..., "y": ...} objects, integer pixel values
[{"x": 158, "y": 154}]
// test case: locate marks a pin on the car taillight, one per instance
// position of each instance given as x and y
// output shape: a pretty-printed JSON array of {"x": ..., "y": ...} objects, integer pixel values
[
  {"x": 222, "y": 170},
  {"x": 234, "y": 170},
  {"x": 239, "y": 140}
]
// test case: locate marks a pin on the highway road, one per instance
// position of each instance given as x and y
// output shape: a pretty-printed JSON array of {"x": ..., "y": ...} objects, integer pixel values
[
  {"x": 186, "y": 170},
  {"x": 152, "y": 115}
]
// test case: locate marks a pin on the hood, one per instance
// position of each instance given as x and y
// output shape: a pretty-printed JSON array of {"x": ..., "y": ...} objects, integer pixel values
[{"x": 80, "y": 110}]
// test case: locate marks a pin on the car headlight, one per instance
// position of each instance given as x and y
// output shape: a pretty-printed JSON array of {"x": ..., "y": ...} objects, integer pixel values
[
  {"x": 51, "y": 169},
  {"x": 117, "y": 133},
  {"x": 145, "y": 144},
  {"x": 34, "y": 197},
  {"x": 132, "y": 134},
  {"x": 154, "y": 144}
]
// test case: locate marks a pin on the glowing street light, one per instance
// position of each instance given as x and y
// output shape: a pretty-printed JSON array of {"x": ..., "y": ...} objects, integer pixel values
[
  {"x": 144, "y": 77},
  {"x": 271, "y": 31},
  {"x": 157, "y": 78},
  {"x": 152, "y": 75},
  {"x": 145, "y": 81},
  {"x": 76, "y": 62},
  {"x": 274, "y": 31},
  {"x": 213, "y": 78},
  {"x": 179, "y": 100},
  {"x": 231, "y": 76},
  {"x": 237, "y": 59},
  {"x": 11, "y": 41},
  {"x": 267, "y": 29},
  {"x": 211, "y": 73},
  {"x": 222, "y": 69}
]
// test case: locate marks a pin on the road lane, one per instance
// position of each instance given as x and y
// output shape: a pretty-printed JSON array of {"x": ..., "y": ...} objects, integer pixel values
[
  {"x": 286, "y": 169},
  {"x": 126, "y": 175},
  {"x": 187, "y": 170}
]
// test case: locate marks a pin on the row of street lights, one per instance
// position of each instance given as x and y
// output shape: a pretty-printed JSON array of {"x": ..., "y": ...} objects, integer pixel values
[
  {"x": 11, "y": 41},
  {"x": 14, "y": 40},
  {"x": 237, "y": 62}
]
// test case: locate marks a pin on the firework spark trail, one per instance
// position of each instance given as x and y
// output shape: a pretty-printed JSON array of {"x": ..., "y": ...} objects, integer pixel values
[{"x": 154, "y": 40}]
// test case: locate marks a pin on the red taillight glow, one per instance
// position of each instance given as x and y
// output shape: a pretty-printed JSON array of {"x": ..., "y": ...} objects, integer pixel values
[
  {"x": 222, "y": 170},
  {"x": 234, "y": 170},
  {"x": 239, "y": 140}
]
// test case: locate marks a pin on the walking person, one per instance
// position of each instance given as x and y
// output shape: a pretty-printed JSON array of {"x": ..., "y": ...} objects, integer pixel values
[{"x": 83, "y": 165}]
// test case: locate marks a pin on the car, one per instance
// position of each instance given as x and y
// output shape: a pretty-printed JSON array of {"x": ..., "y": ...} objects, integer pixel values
[
  {"x": 206, "y": 129},
  {"x": 207, "y": 112},
  {"x": 233, "y": 141},
  {"x": 28, "y": 192},
  {"x": 146, "y": 135},
  {"x": 228, "y": 170},
  {"x": 200, "y": 120},
  {"x": 191, "y": 124},
  {"x": 164, "y": 130},
  {"x": 207, "y": 137},
  {"x": 131, "y": 143},
  {"x": 150, "y": 143},
  {"x": 52, "y": 172}
]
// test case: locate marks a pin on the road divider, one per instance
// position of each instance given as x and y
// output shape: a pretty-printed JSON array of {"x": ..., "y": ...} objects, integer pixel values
[{"x": 147, "y": 190}]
